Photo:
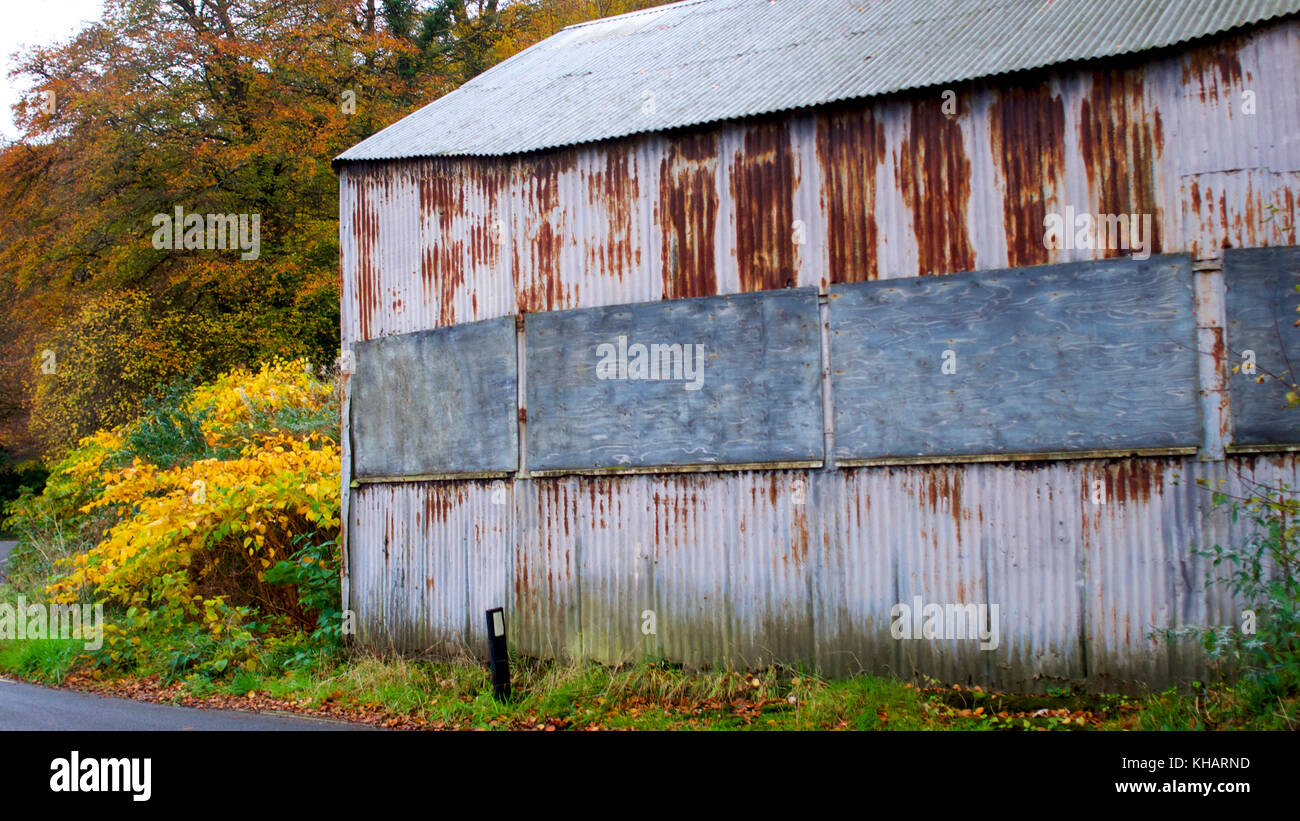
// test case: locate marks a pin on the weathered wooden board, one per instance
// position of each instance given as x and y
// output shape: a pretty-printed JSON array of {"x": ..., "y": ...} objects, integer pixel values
[
  {"x": 743, "y": 388},
  {"x": 1089, "y": 356},
  {"x": 1261, "y": 308},
  {"x": 434, "y": 403}
]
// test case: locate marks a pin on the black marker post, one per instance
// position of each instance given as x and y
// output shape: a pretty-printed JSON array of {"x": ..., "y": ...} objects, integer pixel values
[{"x": 500, "y": 660}]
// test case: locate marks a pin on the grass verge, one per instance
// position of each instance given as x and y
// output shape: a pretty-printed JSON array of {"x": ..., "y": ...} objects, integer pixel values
[{"x": 408, "y": 693}]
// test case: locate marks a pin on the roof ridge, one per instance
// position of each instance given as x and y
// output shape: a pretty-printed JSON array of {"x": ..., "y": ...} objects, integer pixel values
[
  {"x": 706, "y": 61},
  {"x": 651, "y": 9}
]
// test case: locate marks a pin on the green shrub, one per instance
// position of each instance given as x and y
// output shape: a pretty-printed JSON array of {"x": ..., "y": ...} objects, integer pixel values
[
  {"x": 45, "y": 660},
  {"x": 168, "y": 432},
  {"x": 313, "y": 570},
  {"x": 1261, "y": 571}
]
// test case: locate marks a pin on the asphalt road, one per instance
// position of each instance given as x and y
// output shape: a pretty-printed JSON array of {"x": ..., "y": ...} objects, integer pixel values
[
  {"x": 5, "y": 547},
  {"x": 32, "y": 707}
]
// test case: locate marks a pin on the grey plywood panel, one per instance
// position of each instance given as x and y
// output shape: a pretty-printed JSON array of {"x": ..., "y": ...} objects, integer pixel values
[
  {"x": 436, "y": 402},
  {"x": 1073, "y": 357},
  {"x": 749, "y": 390},
  {"x": 1261, "y": 311}
]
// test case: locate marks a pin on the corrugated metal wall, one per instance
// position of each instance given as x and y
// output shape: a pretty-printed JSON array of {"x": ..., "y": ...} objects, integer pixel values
[
  {"x": 888, "y": 189},
  {"x": 749, "y": 568},
  {"x": 734, "y": 570}
]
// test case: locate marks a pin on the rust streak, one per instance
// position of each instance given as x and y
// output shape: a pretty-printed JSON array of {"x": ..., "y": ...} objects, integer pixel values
[
  {"x": 688, "y": 211},
  {"x": 613, "y": 190},
  {"x": 365, "y": 222},
  {"x": 1132, "y": 481},
  {"x": 1027, "y": 127},
  {"x": 538, "y": 277},
  {"x": 850, "y": 147},
  {"x": 1121, "y": 146},
  {"x": 762, "y": 192},
  {"x": 1215, "y": 69},
  {"x": 800, "y": 525},
  {"x": 934, "y": 175}
]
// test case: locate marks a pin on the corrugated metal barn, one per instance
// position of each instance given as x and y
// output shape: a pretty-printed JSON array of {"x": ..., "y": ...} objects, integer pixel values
[{"x": 714, "y": 332}]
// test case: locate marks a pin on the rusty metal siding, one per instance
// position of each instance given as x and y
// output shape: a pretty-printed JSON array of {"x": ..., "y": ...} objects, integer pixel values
[
  {"x": 1033, "y": 558},
  {"x": 722, "y": 557},
  {"x": 618, "y": 560},
  {"x": 850, "y": 148},
  {"x": 425, "y": 247},
  {"x": 769, "y": 573},
  {"x": 687, "y": 214},
  {"x": 854, "y": 570},
  {"x": 880, "y": 190},
  {"x": 1126, "y": 576},
  {"x": 428, "y": 558},
  {"x": 936, "y": 559},
  {"x": 1087, "y": 561},
  {"x": 687, "y": 524},
  {"x": 1237, "y": 171},
  {"x": 580, "y": 229},
  {"x": 465, "y": 272}
]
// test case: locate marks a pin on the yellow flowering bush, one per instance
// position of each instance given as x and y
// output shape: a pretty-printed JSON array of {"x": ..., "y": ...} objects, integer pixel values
[
  {"x": 222, "y": 519},
  {"x": 234, "y": 401},
  {"x": 246, "y": 467},
  {"x": 52, "y": 520},
  {"x": 75, "y": 479}
]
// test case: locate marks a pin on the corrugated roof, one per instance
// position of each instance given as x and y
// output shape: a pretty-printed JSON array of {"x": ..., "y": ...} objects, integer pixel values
[{"x": 701, "y": 61}]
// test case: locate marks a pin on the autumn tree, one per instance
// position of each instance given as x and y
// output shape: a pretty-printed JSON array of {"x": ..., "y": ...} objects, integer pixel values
[{"x": 218, "y": 107}]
